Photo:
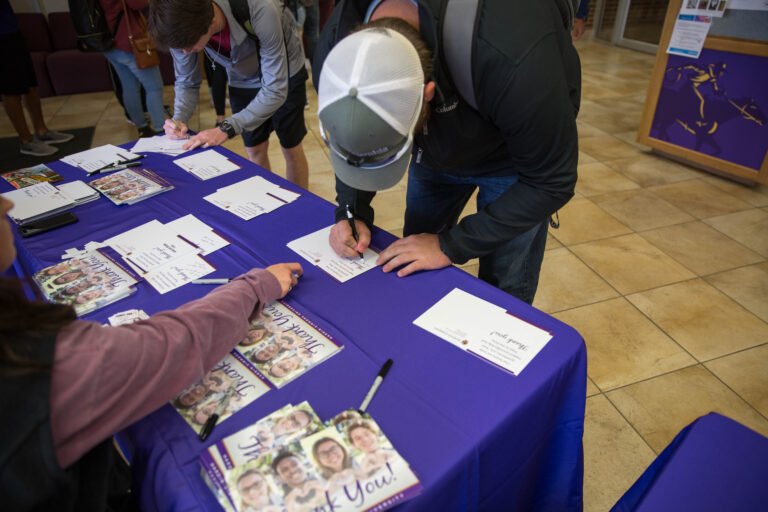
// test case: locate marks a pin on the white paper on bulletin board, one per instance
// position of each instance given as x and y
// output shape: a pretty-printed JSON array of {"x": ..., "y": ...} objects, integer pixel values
[{"x": 689, "y": 35}]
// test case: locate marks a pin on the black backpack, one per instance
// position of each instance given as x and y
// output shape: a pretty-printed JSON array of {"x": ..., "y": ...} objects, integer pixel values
[{"x": 93, "y": 34}]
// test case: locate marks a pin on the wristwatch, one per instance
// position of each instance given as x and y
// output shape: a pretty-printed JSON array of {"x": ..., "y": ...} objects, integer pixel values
[{"x": 227, "y": 128}]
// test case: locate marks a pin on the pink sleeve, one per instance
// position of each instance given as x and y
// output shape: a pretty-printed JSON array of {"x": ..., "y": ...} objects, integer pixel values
[{"x": 105, "y": 378}]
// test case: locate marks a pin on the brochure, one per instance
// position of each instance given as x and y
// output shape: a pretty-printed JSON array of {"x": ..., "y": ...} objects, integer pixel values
[
  {"x": 88, "y": 282},
  {"x": 130, "y": 186},
  {"x": 233, "y": 383},
  {"x": 347, "y": 465},
  {"x": 27, "y": 176},
  {"x": 282, "y": 344},
  {"x": 280, "y": 428}
]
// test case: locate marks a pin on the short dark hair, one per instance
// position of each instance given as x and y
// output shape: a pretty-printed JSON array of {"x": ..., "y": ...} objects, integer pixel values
[
  {"x": 179, "y": 23},
  {"x": 284, "y": 454}
]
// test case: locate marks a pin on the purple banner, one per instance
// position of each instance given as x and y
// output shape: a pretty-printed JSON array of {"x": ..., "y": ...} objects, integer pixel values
[{"x": 716, "y": 105}]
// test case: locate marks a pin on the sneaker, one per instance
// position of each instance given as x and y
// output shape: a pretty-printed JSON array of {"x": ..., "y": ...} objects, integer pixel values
[
  {"x": 147, "y": 131},
  {"x": 37, "y": 148},
  {"x": 53, "y": 137}
]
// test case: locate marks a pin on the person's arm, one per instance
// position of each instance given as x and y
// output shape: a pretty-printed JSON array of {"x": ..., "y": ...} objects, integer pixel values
[
  {"x": 534, "y": 105},
  {"x": 105, "y": 378},
  {"x": 267, "y": 23},
  {"x": 187, "y": 85}
]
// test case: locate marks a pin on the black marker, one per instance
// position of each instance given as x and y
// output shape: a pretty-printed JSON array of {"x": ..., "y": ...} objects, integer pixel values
[
  {"x": 355, "y": 234},
  {"x": 376, "y": 383},
  {"x": 213, "y": 418}
]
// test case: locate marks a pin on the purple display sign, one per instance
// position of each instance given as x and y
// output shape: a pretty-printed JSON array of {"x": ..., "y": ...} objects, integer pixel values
[{"x": 716, "y": 105}]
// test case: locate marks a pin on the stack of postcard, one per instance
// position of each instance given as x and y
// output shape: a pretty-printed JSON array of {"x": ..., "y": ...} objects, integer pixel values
[
  {"x": 37, "y": 202},
  {"x": 130, "y": 186},
  {"x": 88, "y": 282},
  {"x": 290, "y": 461},
  {"x": 252, "y": 197},
  {"x": 27, "y": 176},
  {"x": 78, "y": 191},
  {"x": 94, "y": 159},
  {"x": 281, "y": 345}
]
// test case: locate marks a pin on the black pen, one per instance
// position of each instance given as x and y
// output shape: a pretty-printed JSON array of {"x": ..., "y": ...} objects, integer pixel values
[
  {"x": 376, "y": 383},
  {"x": 355, "y": 234},
  {"x": 119, "y": 167},
  {"x": 125, "y": 160},
  {"x": 213, "y": 418}
]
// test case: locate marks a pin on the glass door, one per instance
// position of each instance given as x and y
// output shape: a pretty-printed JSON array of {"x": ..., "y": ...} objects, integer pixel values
[{"x": 635, "y": 24}]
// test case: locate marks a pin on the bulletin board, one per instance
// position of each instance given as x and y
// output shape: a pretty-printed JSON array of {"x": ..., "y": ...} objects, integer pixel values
[{"x": 712, "y": 112}]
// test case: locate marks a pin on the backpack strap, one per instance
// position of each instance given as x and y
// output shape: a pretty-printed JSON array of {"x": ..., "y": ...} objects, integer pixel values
[
  {"x": 459, "y": 43},
  {"x": 459, "y": 38},
  {"x": 242, "y": 14}
]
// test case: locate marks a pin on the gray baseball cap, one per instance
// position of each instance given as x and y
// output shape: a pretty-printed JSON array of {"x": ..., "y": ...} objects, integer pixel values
[{"x": 370, "y": 98}]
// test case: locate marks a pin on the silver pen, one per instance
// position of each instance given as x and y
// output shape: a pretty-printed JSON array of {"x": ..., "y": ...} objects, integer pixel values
[{"x": 215, "y": 280}]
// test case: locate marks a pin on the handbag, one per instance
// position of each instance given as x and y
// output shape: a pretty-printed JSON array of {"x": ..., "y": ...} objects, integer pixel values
[{"x": 143, "y": 48}]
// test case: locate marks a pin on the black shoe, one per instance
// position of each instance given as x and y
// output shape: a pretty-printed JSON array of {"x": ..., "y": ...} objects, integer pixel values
[{"x": 147, "y": 131}]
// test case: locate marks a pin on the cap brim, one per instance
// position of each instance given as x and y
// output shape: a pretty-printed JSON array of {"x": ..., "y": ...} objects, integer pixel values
[{"x": 371, "y": 180}]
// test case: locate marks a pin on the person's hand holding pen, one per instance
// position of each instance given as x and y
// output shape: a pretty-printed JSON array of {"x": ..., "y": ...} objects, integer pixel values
[
  {"x": 175, "y": 129},
  {"x": 343, "y": 240},
  {"x": 287, "y": 275}
]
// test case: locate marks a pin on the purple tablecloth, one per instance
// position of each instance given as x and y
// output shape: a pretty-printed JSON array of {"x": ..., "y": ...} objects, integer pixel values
[
  {"x": 478, "y": 438},
  {"x": 713, "y": 464}
]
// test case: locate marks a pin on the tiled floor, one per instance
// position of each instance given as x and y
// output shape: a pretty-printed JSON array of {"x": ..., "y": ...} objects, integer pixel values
[{"x": 662, "y": 268}]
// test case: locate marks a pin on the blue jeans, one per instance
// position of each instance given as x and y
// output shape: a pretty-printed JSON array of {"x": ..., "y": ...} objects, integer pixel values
[
  {"x": 130, "y": 77},
  {"x": 433, "y": 204},
  {"x": 308, "y": 18}
]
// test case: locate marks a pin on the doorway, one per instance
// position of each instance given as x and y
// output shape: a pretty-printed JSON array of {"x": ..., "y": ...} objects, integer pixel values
[{"x": 635, "y": 24}]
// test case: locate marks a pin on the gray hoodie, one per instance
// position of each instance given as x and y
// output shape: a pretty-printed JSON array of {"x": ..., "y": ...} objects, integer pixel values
[{"x": 265, "y": 66}]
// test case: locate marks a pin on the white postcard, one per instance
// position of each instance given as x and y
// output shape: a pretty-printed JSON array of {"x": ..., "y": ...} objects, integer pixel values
[
  {"x": 207, "y": 164},
  {"x": 316, "y": 249},
  {"x": 242, "y": 203},
  {"x": 96, "y": 158},
  {"x": 198, "y": 232},
  {"x": 160, "y": 144},
  {"x": 178, "y": 272},
  {"x": 78, "y": 191},
  {"x": 484, "y": 330},
  {"x": 257, "y": 185},
  {"x": 156, "y": 252},
  {"x": 128, "y": 241},
  {"x": 37, "y": 201}
]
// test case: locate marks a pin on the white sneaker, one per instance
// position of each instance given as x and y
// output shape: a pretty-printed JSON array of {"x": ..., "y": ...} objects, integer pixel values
[
  {"x": 37, "y": 148},
  {"x": 53, "y": 137}
]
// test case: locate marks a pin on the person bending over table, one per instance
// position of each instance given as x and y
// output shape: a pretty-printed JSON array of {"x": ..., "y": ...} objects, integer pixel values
[
  {"x": 385, "y": 93},
  {"x": 67, "y": 385},
  {"x": 265, "y": 69}
]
